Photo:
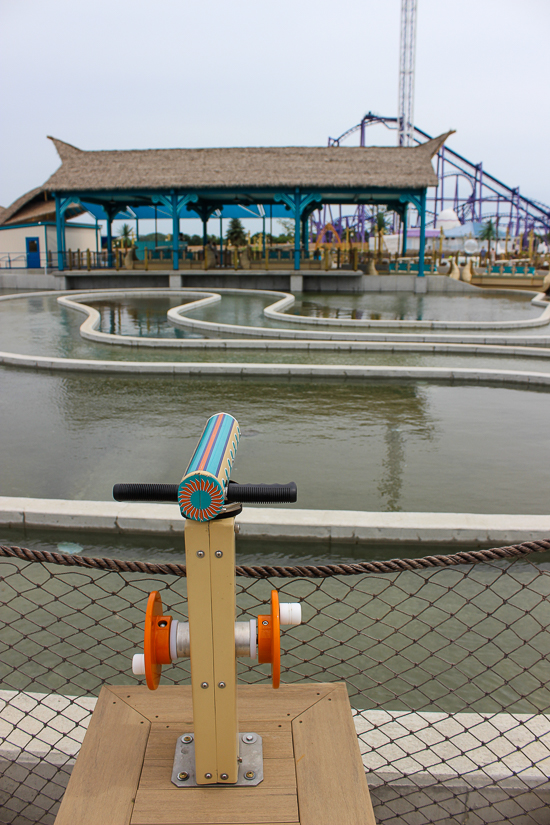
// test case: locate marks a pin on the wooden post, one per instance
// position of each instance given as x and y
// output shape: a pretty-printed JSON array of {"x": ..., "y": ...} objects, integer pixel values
[
  {"x": 70, "y": 259},
  {"x": 235, "y": 258},
  {"x": 117, "y": 260},
  {"x": 210, "y": 560},
  {"x": 88, "y": 260},
  {"x": 146, "y": 258}
]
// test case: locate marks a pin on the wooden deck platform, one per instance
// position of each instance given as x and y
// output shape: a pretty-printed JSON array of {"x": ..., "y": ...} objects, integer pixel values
[{"x": 313, "y": 772}]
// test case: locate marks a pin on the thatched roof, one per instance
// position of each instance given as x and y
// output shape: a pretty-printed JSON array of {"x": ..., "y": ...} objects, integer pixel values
[{"x": 341, "y": 168}]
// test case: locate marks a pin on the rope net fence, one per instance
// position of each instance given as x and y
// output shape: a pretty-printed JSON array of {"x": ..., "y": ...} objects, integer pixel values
[{"x": 447, "y": 668}]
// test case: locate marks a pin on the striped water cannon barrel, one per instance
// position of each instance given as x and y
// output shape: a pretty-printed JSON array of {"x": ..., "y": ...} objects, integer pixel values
[{"x": 202, "y": 490}]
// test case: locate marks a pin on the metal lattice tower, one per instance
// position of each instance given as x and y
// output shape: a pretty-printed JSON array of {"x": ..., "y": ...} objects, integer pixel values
[{"x": 406, "y": 73}]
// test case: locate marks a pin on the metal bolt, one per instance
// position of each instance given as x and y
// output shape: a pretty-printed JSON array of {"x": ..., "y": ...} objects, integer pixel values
[
  {"x": 163, "y": 624},
  {"x": 265, "y": 622},
  {"x": 218, "y": 554},
  {"x": 204, "y": 685},
  {"x": 183, "y": 776},
  {"x": 224, "y": 776},
  {"x": 239, "y": 759},
  {"x": 250, "y": 775},
  {"x": 208, "y": 776},
  {"x": 200, "y": 554},
  {"x": 249, "y": 738},
  {"x": 221, "y": 684},
  {"x": 187, "y": 738}
]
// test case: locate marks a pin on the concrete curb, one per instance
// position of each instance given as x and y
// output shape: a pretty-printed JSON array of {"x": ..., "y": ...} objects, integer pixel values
[
  {"x": 275, "y": 523},
  {"x": 312, "y": 371}
]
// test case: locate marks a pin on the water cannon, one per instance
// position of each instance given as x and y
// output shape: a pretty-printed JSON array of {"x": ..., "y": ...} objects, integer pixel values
[{"x": 216, "y": 753}]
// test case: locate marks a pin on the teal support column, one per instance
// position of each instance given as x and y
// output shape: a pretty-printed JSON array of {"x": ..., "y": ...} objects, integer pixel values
[
  {"x": 204, "y": 233},
  {"x": 297, "y": 222},
  {"x": 422, "y": 249},
  {"x": 305, "y": 235},
  {"x": 109, "y": 240},
  {"x": 405, "y": 213},
  {"x": 221, "y": 241},
  {"x": 263, "y": 235},
  {"x": 59, "y": 221},
  {"x": 175, "y": 232}
]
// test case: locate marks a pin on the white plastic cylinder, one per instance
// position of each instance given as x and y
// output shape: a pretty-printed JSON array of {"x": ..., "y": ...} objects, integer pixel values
[
  {"x": 290, "y": 613},
  {"x": 253, "y": 639},
  {"x": 173, "y": 639},
  {"x": 138, "y": 664}
]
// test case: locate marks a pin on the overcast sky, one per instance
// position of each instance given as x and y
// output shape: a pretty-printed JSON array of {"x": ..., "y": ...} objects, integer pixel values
[{"x": 121, "y": 74}]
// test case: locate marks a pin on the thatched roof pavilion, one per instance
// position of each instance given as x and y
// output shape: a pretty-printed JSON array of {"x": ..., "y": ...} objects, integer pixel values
[{"x": 203, "y": 180}]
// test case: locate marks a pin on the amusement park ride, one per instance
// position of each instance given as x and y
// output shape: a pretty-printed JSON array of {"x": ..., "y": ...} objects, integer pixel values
[{"x": 216, "y": 752}]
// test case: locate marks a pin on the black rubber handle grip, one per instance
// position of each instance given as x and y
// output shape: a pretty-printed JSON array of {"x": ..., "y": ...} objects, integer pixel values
[
  {"x": 243, "y": 493},
  {"x": 145, "y": 492},
  {"x": 262, "y": 493}
]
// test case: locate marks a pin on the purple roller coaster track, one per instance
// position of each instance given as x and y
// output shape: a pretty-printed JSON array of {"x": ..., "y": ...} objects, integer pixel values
[{"x": 474, "y": 194}]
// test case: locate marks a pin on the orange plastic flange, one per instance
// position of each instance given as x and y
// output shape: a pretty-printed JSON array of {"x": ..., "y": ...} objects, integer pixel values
[
  {"x": 156, "y": 645},
  {"x": 269, "y": 639}
]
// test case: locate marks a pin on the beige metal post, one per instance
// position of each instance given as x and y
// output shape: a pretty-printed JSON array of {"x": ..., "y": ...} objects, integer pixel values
[{"x": 210, "y": 560}]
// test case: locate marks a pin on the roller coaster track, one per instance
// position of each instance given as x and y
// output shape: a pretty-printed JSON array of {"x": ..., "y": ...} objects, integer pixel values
[{"x": 466, "y": 187}]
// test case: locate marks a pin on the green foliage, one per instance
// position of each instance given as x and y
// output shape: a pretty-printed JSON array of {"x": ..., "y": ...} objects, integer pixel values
[
  {"x": 288, "y": 226},
  {"x": 236, "y": 234},
  {"x": 488, "y": 231},
  {"x": 126, "y": 235}
]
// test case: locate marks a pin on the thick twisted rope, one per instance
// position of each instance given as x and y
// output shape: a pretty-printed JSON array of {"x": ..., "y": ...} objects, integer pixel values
[{"x": 310, "y": 571}]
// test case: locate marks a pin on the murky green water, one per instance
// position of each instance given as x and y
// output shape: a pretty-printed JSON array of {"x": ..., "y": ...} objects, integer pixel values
[{"x": 348, "y": 445}]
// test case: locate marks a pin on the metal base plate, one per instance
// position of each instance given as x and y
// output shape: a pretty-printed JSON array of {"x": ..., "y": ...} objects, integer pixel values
[{"x": 251, "y": 765}]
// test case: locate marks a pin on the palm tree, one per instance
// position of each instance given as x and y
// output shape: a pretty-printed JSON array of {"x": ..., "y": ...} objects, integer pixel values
[
  {"x": 488, "y": 232},
  {"x": 126, "y": 235}
]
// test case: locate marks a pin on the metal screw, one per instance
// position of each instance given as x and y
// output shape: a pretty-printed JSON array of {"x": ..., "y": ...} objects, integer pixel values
[
  {"x": 200, "y": 554},
  {"x": 183, "y": 776},
  {"x": 221, "y": 684},
  {"x": 204, "y": 685},
  {"x": 208, "y": 776},
  {"x": 224, "y": 776},
  {"x": 249, "y": 738},
  {"x": 218, "y": 554},
  {"x": 250, "y": 775},
  {"x": 239, "y": 759},
  {"x": 187, "y": 738},
  {"x": 265, "y": 622}
]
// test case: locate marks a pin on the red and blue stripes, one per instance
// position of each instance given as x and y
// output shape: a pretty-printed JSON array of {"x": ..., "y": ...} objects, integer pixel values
[{"x": 201, "y": 492}]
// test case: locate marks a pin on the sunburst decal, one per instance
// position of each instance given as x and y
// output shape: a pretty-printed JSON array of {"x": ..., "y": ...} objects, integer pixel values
[{"x": 200, "y": 497}]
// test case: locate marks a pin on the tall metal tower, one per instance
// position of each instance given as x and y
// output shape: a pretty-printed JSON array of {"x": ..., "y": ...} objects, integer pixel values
[{"x": 406, "y": 73}]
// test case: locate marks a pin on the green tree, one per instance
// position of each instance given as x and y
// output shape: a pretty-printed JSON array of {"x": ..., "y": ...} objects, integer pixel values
[
  {"x": 488, "y": 232},
  {"x": 126, "y": 235},
  {"x": 236, "y": 234},
  {"x": 288, "y": 226}
]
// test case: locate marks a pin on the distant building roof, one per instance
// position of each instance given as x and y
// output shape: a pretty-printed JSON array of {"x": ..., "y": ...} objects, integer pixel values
[{"x": 252, "y": 169}]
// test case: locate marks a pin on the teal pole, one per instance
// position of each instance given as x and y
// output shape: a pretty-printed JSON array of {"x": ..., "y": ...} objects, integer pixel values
[
  {"x": 109, "y": 239},
  {"x": 405, "y": 213},
  {"x": 221, "y": 241},
  {"x": 422, "y": 234},
  {"x": 263, "y": 235},
  {"x": 175, "y": 231},
  {"x": 59, "y": 232},
  {"x": 297, "y": 222}
]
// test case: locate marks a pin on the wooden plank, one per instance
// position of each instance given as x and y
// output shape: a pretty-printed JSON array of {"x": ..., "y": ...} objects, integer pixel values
[
  {"x": 214, "y": 806},
  {"x": 278, "y": 773},
  {"x": 103, "y": 784},
  {"x": 199, "y": 598},
  {"x": 277, "y": 743},
  {"x": 257, "y": 703},
  {"x": 332, "y": 786},
  {"x": 222, "y": 575}
]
